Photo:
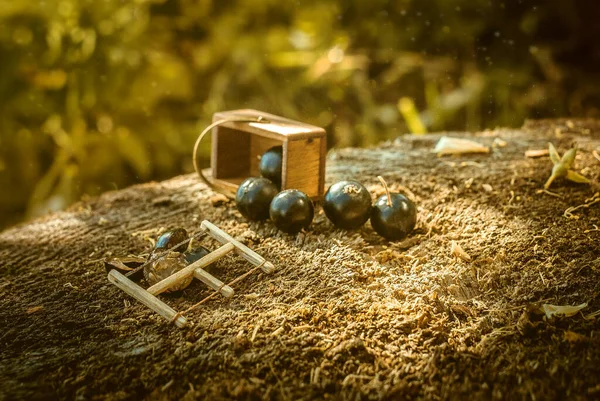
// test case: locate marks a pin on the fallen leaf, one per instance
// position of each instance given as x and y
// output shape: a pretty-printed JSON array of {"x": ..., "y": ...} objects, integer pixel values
[
  {"x": 455, "y": 146},
  {"x": 562, "y": 310}
]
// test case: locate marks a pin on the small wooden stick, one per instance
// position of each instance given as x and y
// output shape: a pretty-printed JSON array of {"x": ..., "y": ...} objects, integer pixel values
[
  {"x": 187, "y": 271},
  {"x": 240, "y": 278},
  {"x": 146, "y": 298},
  {"x": 242, "y": 249},
  {"x": 213, "y": 282}
]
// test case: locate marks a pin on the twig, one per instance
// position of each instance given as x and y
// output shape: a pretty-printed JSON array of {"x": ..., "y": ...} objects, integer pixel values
[
  {"x": 146, "y": 298},
  {"x": 559, "y": 196},
  {"x": 588, "y": 202}
]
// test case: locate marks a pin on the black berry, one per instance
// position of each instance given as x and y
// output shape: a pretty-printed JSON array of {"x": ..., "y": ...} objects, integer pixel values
[
  {"x": 270, "y": 165},
  {"x": 347, "y": 204},
  {"x": 291, "y": 211},
  {"x": 195, "y": 254},
  {"x": 170, "y": 238},
  {"x": 393, "y": 215},
  {"x": 254, "y": 196}
]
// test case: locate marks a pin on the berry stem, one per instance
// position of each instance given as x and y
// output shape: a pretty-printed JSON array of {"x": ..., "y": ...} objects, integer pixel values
[{"x": 387, "y": 190}]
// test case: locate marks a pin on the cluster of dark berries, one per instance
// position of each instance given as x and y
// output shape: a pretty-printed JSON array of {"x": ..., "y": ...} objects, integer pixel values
[
  {"x": 258, "y": 198},
  {"x": 347, "y": 203}
]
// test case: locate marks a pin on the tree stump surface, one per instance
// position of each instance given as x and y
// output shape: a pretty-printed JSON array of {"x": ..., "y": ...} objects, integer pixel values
[{"x": 346, "y": 314}]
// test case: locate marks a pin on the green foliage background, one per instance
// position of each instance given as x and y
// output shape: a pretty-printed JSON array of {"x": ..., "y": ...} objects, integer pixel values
[{"x": 97, "y": 95}]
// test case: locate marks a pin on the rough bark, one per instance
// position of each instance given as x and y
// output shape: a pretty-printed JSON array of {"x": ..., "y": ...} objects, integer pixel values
[{"x": 346, "y": 313}]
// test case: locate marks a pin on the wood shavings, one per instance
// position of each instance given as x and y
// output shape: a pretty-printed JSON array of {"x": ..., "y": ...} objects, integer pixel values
[
  {"x": 592, "y": 315},
  {"x": 456, "y": 146},
  {"x": 548, "y": 192},
  {"x": 167, "y": 386},
  {"x": 429, "y": 307},
  {"x": 487, "y": 187},
  {"x": 277, "y": 332},
  {"x": 314, "y": 376},
  {"x": 218, "y": 200},
  {"x": 457, "y": 251},
  {"x": 255, "y": 331},
  {"x": 573, "y": 337},
  {"x": 34, "y": 309},
  {"x": 353, "y": 377},
  {"x": 499, "y": 143},
  {"x": 162, "y": 201},
  {"x": 588, "y": 202},
  {"x": 561, "y": 310},
  {"x": 535, "y": 153}
]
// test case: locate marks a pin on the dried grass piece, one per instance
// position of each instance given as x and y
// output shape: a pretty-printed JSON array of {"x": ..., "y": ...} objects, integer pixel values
[
  {"x": 34, "y": 309},
  {"x": 588, "y": 202},
  {"x": 535, "y": 153},
  {"x": 499, "y": 143},
  {"x": 573, "y": 337},
  {"x": 561, "y": 310},
  {"x": 457, "y": 251},
  {"x": 218, "y": 200},
  {"x": 456, "y": 146},
  {"x": 121, "y": 263}
]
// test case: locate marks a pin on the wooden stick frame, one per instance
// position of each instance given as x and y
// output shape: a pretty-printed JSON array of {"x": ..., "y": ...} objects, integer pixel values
[{"x": 148, "y": 296}]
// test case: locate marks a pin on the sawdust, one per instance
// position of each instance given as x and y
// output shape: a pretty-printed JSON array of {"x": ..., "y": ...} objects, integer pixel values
[{"x": 347, "y": 315}]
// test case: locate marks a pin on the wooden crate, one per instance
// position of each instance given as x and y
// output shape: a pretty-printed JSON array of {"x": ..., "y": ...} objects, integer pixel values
[{"x": 237, "y": 147}]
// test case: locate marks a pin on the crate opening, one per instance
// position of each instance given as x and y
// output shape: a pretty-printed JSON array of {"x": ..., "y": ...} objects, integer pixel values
[{"x": 236, "y": 154}]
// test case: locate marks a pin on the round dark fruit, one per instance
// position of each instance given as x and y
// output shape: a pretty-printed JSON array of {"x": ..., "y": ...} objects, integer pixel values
[
  {"x": 393, "y": 216},
  {"x": 347, "y": 204},
  {"x": 254, "y": 196},
  {"x": 270, "y": 165},
  {"x": 291, "y": 211},
  {"x": 171, "y": 238},
  {"x": 195, "y": 254}
]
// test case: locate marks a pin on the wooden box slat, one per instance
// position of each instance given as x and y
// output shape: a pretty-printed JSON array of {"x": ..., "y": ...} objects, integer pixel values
[{"x": 302, "y": 166}]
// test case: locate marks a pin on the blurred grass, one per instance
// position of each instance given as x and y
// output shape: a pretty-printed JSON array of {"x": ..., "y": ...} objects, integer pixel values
[{"x": 97, "y": 95}]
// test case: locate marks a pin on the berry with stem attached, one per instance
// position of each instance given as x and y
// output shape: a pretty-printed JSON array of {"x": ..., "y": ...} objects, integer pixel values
[{"x": 393, "y": 215}]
